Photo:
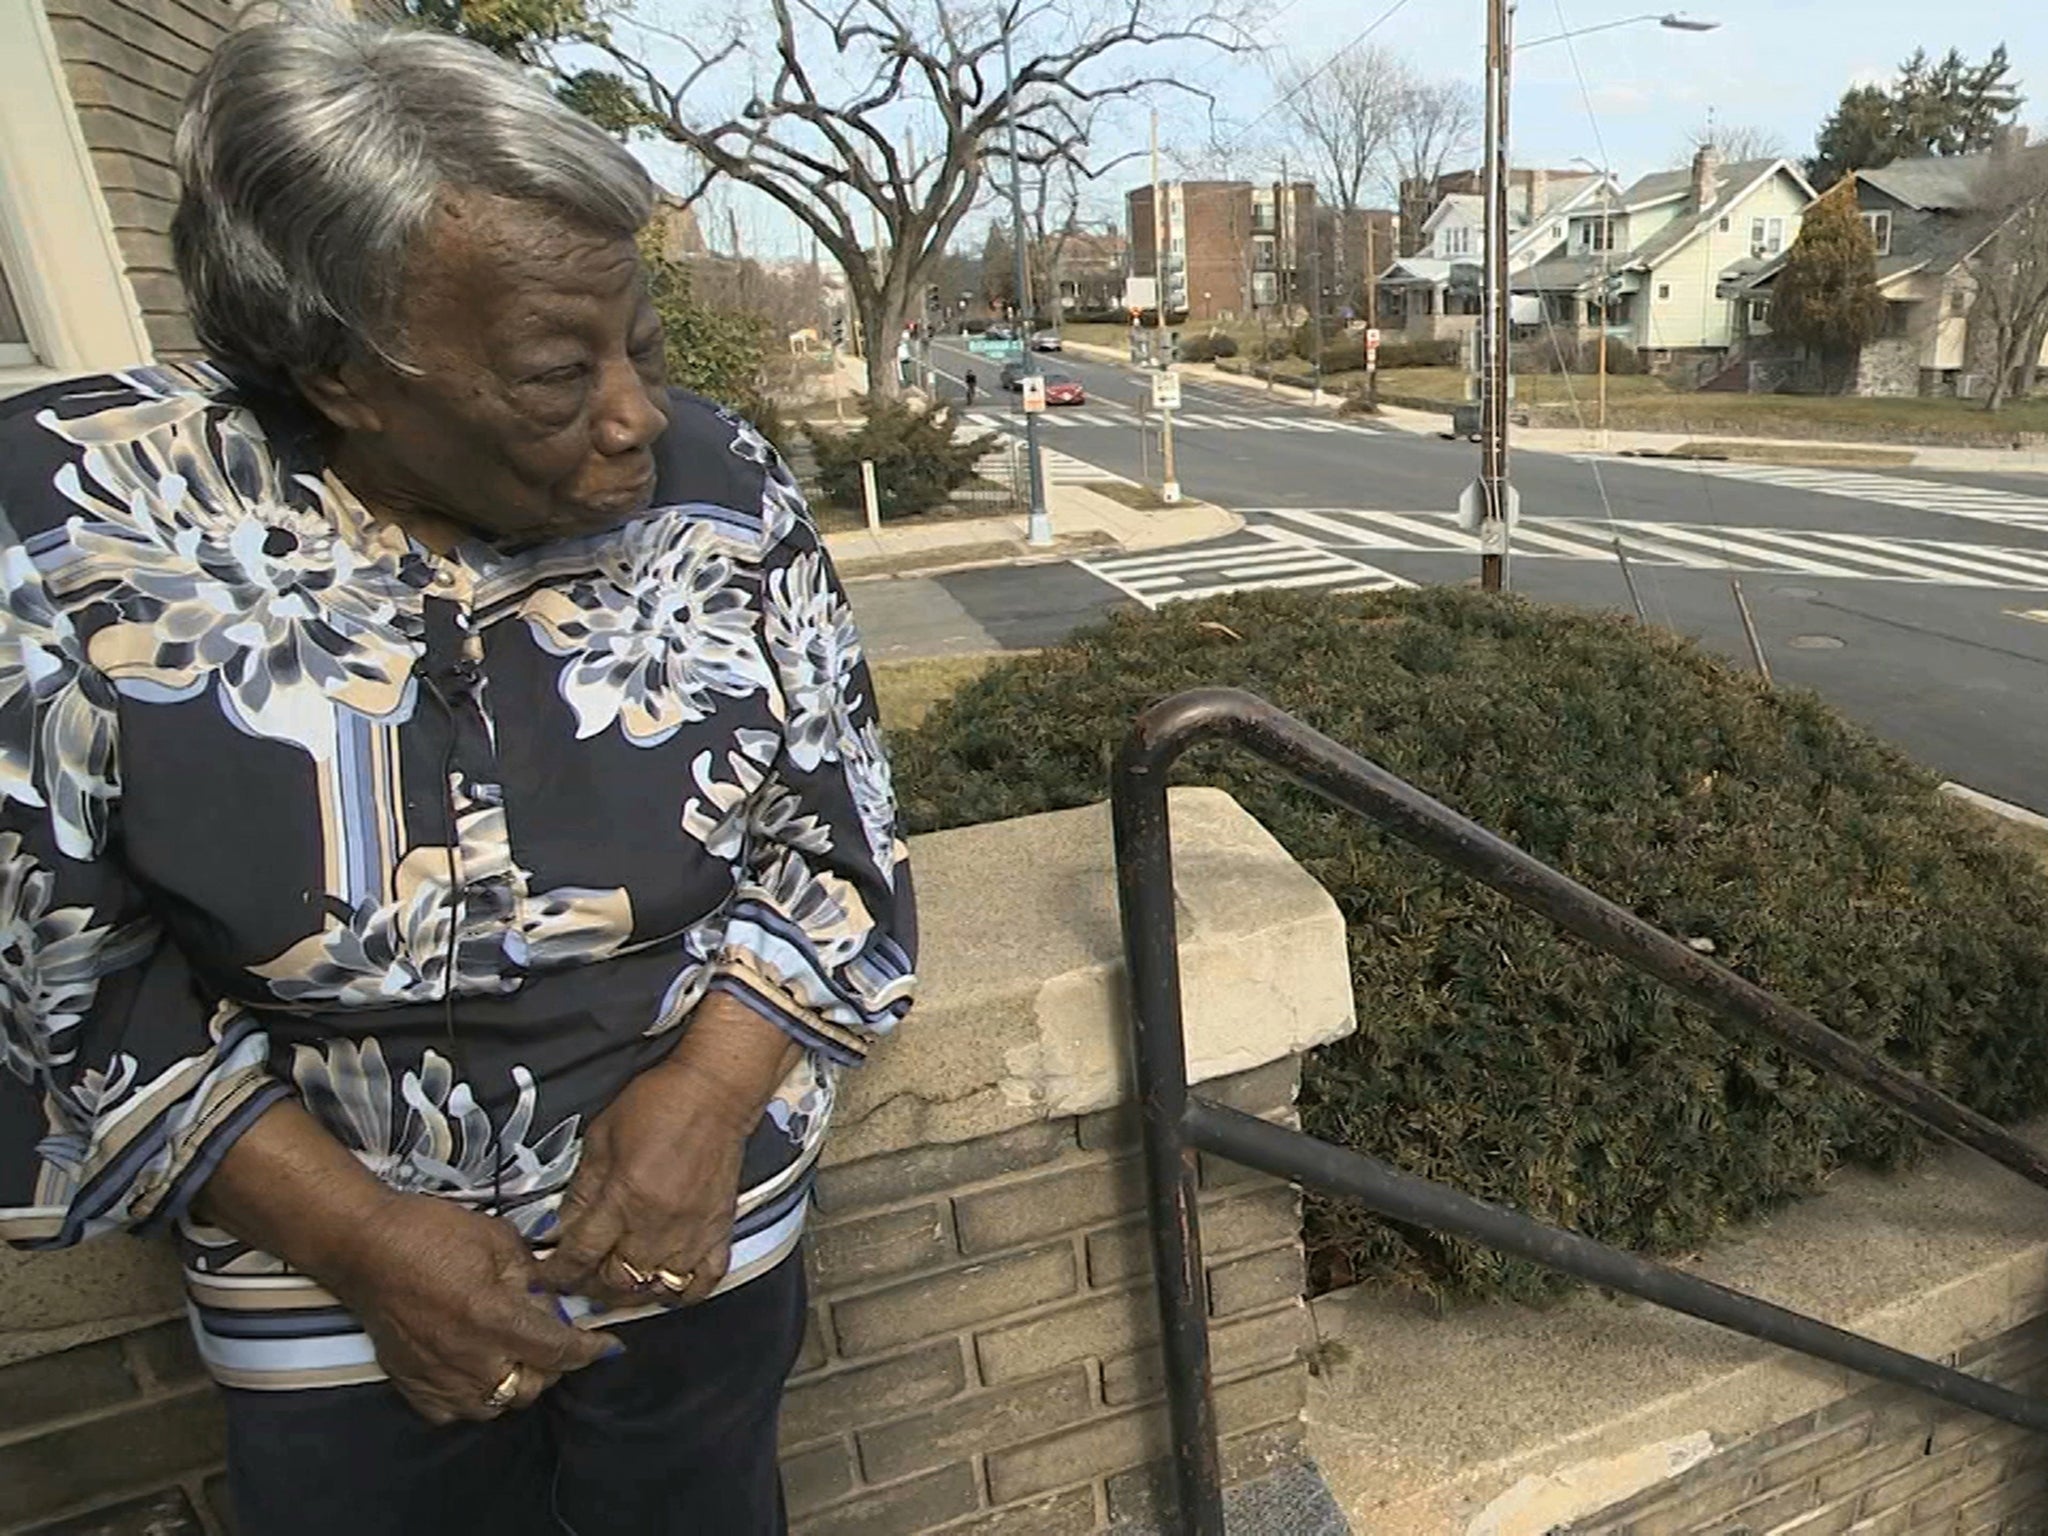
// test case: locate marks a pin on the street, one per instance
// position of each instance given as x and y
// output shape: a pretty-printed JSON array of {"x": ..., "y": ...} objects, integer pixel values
[{"x": 1915, "y": 602}]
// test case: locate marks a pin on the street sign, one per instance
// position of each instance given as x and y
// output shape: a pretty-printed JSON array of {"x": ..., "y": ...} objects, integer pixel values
[
  {"x": 1372, "y": 339},
  {"x": 1034, "y": 391},
  {"x": 1165, "y": 391},
  {"x": 995, "y": 347},
  {"x": 1472, "y": 515}
]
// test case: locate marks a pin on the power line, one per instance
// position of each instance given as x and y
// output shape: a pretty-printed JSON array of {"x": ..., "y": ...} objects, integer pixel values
[{"x": 1312, "y": 76}]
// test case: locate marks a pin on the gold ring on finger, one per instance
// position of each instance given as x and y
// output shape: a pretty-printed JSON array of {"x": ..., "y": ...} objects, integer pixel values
[
  {"x": 674, "y": 1283},
  {"x": 639, "y": 1279},
  {"x": 506, "y": 1392}
]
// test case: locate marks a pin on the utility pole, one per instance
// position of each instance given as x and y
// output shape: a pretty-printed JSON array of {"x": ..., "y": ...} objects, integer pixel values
[
  {"x": 1169, "y": 483},
  {"x": 1606, "y": 297},
  {"x": 1372, "y": 313},
  {"x": 1315, "y": 290},
  {"x": 1489, "y": 504},
  {"x": 1039, "y": 529}
]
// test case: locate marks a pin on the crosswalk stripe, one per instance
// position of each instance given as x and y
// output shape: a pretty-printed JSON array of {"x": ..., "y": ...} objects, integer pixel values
[
  {"x": 1717, "y": 542},
  {"x": 1979, "y": 503},
  {"x": 1432, "y": 535},
  {"x": 1816, "y": 552},
  {"x": 1873, "y": 559},
  {"x": 1967, "y": 558},
  {"x": 1378, "y": 581}
]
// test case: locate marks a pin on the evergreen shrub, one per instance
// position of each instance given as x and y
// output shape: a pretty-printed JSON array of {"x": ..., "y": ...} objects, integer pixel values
[
  {"x": 1494, "y": 1054},
  {"x": 919, "y": 462}
]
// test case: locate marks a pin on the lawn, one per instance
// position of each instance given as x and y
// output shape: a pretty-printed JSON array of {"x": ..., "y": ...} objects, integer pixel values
[
  {"x": 1828, "y": 418},
  {"x": 905, "y": 691}
]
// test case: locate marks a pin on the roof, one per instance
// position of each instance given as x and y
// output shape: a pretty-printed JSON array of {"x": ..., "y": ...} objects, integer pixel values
[
  {"x": 1731, "y": 183},
  {"x": 1458, "y": 202},
  {"x": 1657, "y": 187},
  {"x": 1423, "y": 269},
  {"x": 1561, "y": 274},
  {"x": 1946, "y": 182}
]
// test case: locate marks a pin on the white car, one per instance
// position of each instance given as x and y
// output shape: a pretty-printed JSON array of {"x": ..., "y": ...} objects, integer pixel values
[{"x": 1046, "y": 341}]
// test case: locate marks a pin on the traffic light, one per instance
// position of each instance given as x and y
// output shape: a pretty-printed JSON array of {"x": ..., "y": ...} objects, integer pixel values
[
  {"x": 1173, "y": 346},
  {"x": 839, "y": 330}
]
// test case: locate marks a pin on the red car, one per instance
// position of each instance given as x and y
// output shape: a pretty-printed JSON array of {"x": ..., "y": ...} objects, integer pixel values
[{"x": 1062, "y": 390}]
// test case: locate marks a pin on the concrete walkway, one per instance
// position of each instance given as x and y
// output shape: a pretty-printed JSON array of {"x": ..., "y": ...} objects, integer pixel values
[{"x": 1083, "y": 521}]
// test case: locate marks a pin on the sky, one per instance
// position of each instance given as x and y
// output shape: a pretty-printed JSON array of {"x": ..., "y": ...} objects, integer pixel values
[{"x": 1775, "y": 65}]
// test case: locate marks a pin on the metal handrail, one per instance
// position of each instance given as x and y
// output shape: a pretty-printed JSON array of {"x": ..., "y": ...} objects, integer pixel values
[{"x": 1177, "y": 1125}]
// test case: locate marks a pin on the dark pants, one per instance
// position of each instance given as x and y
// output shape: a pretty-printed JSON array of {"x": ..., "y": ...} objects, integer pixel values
[{"x": 676, "y": 1437}]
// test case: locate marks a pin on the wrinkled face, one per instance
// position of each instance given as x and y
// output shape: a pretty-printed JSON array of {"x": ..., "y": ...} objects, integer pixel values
[{"x": 534, "y": 390}]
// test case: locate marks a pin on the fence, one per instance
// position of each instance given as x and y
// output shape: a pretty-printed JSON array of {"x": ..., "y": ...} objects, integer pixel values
[{"x": 1177, "y": 1126}]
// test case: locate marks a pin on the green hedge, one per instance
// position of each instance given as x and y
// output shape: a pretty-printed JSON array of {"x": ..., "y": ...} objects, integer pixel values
[
  {"x": 919, "y": 461},
  {"x": 1492, "y": 1053}
]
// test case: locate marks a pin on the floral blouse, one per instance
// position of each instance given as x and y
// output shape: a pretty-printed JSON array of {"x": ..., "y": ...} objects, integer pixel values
[{"x": 447, "y": 847}]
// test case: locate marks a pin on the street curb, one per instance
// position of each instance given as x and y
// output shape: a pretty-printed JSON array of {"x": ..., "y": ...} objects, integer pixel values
[{"x": 2004, "y": 810}]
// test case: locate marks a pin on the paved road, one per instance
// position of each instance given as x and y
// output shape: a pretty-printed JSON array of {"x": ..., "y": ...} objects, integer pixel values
[{"x": 1916, "y": 602}]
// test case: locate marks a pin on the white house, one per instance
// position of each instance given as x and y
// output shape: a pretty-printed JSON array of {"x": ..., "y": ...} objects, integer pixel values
[
  {"x": 1664, "y": 254},
  {"x": 1434, "y": 294}
]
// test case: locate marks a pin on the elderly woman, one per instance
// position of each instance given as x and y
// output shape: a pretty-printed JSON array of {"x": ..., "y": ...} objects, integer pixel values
[{"x": 447, "y": 847}]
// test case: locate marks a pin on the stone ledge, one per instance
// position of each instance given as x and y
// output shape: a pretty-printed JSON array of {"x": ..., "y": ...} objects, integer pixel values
[
  {"x": 1506, "y": 1421},
  {"x": 1022, "y": 1016}
]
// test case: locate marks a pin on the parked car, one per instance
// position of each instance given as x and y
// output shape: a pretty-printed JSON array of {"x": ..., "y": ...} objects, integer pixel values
[
  {"x": 1012, "y": 376},
  {"x": 1063, "y": 389},
  {"x": 1046, "y": 341},
  {"x": 1000, "y": 332}
]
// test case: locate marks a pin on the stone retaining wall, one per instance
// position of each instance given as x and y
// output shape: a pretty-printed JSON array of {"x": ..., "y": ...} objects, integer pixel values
[
  {"x": 1877, "y": 1462},
  {"x": 979, "y": 1360}
]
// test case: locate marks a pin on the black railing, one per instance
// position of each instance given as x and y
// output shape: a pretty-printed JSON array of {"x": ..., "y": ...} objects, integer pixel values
[{"x": 1177, "y": 1125}]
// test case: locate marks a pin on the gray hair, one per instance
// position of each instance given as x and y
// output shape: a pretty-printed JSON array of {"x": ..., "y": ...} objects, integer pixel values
[{"x": 312, "y": 153}]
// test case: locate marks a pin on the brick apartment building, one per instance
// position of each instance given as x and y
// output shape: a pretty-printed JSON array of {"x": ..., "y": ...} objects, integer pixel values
[{"x": 1234, "y": 249}]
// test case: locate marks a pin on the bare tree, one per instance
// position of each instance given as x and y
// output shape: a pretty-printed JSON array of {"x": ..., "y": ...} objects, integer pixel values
[
  {"x": 1348, "y": 111},
  {"x": 877, "y": 124},
  {"x": 2009, "y": 273},
  {"x": 1736, "y": 142},
  {"x": 1437, "y": 127}
]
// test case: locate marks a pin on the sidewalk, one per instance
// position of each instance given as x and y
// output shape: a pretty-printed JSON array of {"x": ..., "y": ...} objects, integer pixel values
[
  {"x": 1084, "y": 521},
  {"x": 1572, "y": 440}
]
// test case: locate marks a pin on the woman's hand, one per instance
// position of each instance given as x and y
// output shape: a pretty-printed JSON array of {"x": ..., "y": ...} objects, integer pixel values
[
  {"x": 450, "y": 1298},
  {"x": 453, "y": 1302},
  {"x": 649, "y": 1214}
]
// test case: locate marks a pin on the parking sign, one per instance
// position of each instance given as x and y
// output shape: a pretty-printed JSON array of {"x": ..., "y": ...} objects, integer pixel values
[
  {"x": 1165, "y": 391},
  {"x": 1034, "y": 391}
]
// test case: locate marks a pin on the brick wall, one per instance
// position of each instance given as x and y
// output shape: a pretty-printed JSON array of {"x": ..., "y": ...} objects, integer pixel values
[
  {"x": 980, "y": 1358},
  {"x": 1883, "y": 1462},
  {"x": 128, "y": 64},
  {"x": 120, "y": 1437}
]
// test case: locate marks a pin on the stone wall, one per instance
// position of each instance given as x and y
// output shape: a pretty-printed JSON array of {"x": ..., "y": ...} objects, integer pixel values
[
  {"x": 1879, "y": 1461},
  {"x": 980, "y": 1359},
  {"x": 982, "y": 1345},
  {"x": 1889, "y": 366},
  {"x": 1605, "y": 1417}
]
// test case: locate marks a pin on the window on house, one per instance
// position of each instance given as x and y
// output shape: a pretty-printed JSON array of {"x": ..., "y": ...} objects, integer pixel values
[
  {"x": 1958, "y": 302},
  {"x": 1457, "y": 240},
  {"x": 1880, "y": 227},
  {"x": 1596, "y": 235},
  {"x": 1759, "y": 314},
  {"x": 1766, "y": 236},
  {"x": 1663, "y": 290}
]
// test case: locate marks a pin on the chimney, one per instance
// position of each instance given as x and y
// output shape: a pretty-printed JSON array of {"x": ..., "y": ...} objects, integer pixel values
[
  {"x": 1539, "y": 193},
  {"x": 1706, "y": 171}
]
